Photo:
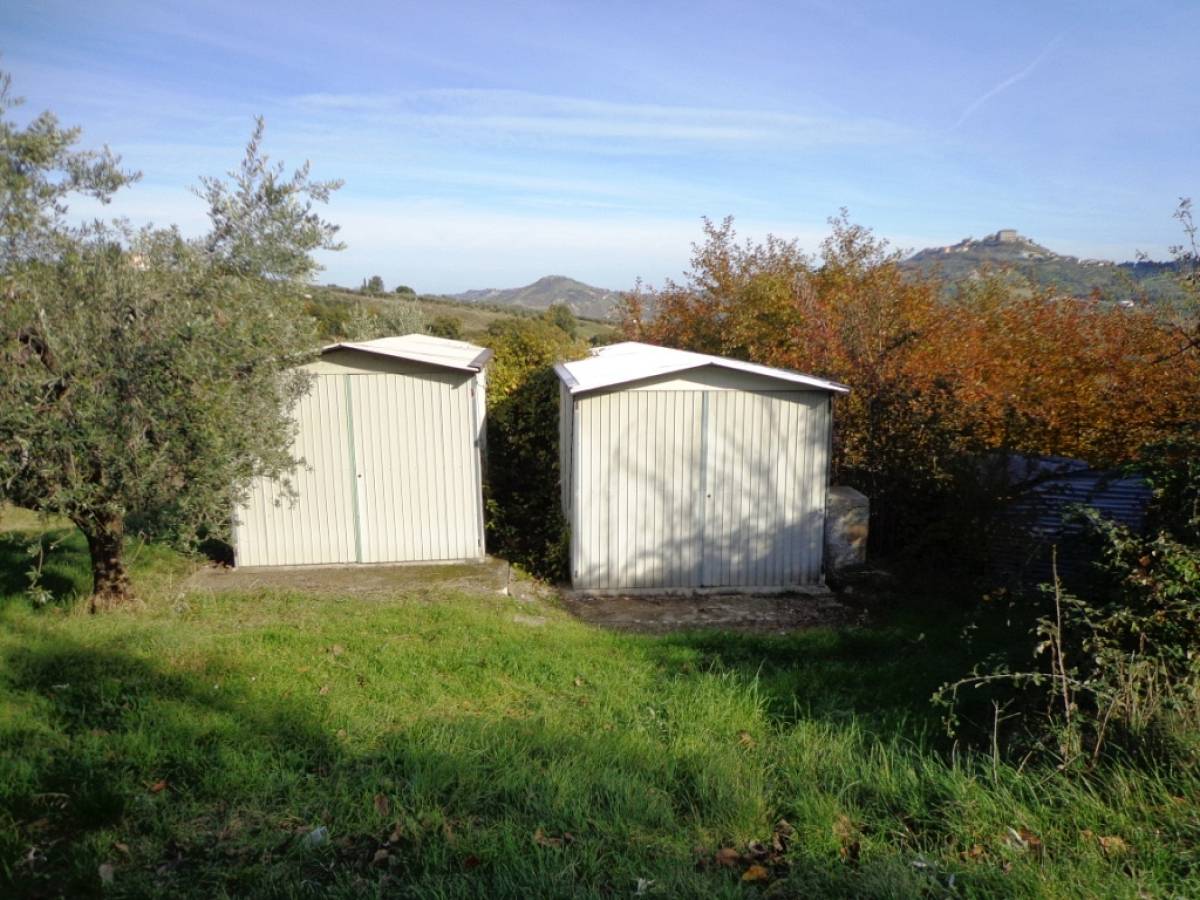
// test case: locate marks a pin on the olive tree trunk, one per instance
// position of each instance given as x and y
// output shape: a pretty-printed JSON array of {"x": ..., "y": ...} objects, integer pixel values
[{"x": 110, "y": 580}]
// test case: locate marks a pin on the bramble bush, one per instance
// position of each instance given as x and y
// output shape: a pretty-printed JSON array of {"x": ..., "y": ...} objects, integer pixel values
[{"x": 1121, "y": 665}]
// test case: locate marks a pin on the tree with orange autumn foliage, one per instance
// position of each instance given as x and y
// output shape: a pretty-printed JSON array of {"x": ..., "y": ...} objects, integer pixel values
[
  {"x": 934, "y": 382},
  {"x": 1038, "y": 373}
]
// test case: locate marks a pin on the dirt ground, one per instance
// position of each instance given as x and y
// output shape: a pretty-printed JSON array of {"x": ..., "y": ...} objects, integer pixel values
[
  {"x": 777, "y": 613},
  {"x": 361, "y": 581},
  {"x": 651, "y": 614}
]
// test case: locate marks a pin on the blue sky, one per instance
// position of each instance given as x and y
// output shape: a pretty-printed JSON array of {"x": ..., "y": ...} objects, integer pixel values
[{"x": 485, "y": 145}]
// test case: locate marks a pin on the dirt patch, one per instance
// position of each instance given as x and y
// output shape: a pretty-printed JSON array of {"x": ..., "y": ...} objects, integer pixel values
[
  {"x": 489, "y": 577},
  {"x": 772, "y": 613},
  {"x": 734, "y": 612}
]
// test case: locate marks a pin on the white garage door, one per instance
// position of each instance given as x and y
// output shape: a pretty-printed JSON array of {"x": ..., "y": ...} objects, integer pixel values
[
  {"x": 391, "y": 474},
  {"x": 684, "y": 489}
]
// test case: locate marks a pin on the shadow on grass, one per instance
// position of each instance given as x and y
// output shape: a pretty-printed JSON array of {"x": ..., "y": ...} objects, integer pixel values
[
  {"x": 195, "y": 784},
  {"x": 883, "y": 674},
  {"x": 109, "y": 736},
  {"x": 65, "y": 569},
  {"x": 212, "y": 790}
]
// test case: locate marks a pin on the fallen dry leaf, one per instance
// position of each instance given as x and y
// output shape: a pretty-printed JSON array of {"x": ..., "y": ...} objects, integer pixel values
[
  {"x": 106, "y": 873},
  {"x": 1031, "y": 840},
  {"x": 849, "y": 852},
  {"x": 976, "y": 852},
  {"x": 756, "y": 873},
  {"x": 382, "y": 805},
  {"x": 380, "y": 858},
  {"x": 1112, "y": 845},
  {"x": 543, "y": 840},
  {"x": 844, "y": 828},
  {"x": 1025, "y": 840},
  {"x": 397, "y": 834},
  {"x": 782, "y": 835},
  {"x": 324, "y": 690},
  {"x": 745, "y": 739},
  {"x": 337, "y": 649},
  {"x": 578, "y": 681},
  {"x": 159, "y": 786},
  {"x": 727, "y": 856},
  {"x": 121, "y": 847}
]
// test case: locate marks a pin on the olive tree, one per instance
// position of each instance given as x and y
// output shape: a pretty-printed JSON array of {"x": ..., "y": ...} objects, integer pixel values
[
  {"x": 148, "y": 378},
  {"x": 39, "y": 170},
  {"x": 388, "y": 318}
]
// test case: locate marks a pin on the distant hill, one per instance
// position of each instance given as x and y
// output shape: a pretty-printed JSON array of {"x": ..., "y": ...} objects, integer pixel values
[
  {"x": 583, "y": 299},
  {"x": 1068, "y": 274},
  {"x": 330, "y": 305}
]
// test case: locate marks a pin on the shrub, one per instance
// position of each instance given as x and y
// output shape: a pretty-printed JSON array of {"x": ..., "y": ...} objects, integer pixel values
[
  {"x": 525, "y": 522},
  {"x": 560, "y": 315},
  {"x": 1122, "y": 665},
  {"x": 446, "y": 326},
  {"x": 388, "y": 318}
]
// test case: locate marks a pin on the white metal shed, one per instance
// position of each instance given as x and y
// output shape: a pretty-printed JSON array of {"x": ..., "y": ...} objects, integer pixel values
[
  {"x": 391, "y": 436},
  {"x": 686, "y": 471}
]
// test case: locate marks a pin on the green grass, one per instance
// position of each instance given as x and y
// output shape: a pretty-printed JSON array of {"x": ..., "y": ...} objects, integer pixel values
[{"x": 193, "y": 744}]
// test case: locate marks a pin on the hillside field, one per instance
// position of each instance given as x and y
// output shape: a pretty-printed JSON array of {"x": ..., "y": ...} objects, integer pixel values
[
  {"x": 475, "y": 317},
  {"x": 447, "y": 741}
]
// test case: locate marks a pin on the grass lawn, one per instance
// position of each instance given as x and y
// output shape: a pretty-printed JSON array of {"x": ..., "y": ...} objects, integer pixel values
[{"x": 442, "y": 748}]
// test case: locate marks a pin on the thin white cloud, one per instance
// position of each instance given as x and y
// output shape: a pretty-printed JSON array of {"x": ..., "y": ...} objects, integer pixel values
[
  {"x": 425, "y": 244},
  {"x": 1004, "y": 85},
  {"x": 519, "y": 114}
]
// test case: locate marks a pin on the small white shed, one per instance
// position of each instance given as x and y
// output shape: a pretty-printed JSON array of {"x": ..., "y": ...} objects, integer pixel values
[
  {"x": 391, "y": 436},
  {"x": 686, "y": 471}
]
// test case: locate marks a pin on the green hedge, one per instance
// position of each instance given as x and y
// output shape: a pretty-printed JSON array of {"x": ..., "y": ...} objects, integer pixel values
[{"x": 525, "y": 523}]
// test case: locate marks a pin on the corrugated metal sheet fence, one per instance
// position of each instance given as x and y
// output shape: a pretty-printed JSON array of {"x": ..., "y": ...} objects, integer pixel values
[{"x": 1046, "y": 491}]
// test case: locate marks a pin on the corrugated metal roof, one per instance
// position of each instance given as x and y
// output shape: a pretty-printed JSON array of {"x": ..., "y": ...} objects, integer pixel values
[
  {"x": 423, "y": 348},
  {"x": 633, "y": 361}
]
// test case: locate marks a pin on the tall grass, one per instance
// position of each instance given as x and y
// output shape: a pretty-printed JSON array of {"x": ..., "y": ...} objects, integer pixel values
[{"x": 450, "y": 750}]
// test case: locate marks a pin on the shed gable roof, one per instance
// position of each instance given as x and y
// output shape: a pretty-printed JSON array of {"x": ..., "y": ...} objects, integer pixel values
[
  {"x": 423, "y": 348},
  {"x": 630, "y": 361}
]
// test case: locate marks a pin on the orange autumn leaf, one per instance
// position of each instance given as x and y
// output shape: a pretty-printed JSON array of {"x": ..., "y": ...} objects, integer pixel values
[{"x": 756, "y": 873}]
